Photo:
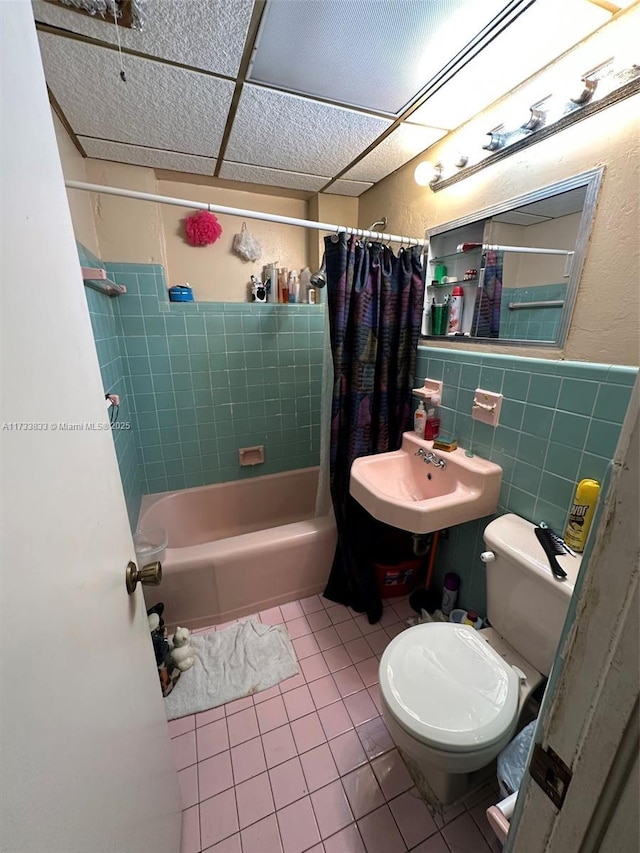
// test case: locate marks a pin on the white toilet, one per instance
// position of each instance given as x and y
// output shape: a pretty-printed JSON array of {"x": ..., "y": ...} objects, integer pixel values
[{"x": 451, "y": 695}]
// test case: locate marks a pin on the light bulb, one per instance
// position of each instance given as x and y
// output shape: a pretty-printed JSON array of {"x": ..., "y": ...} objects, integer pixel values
[{"x": 426, "y": 173}]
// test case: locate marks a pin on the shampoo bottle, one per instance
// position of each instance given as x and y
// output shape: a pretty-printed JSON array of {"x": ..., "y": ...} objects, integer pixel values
[
  {"x": 432, "y": 423},
  {"x": 581, "y": 514},
  {"x": 419, "y": 420},
  {"x": 305, "y": 284},
  {"x": 293, "y": 287}
]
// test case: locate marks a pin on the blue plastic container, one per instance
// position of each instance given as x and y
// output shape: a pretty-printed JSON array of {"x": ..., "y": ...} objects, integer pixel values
[{"x": 180, "y": 293}]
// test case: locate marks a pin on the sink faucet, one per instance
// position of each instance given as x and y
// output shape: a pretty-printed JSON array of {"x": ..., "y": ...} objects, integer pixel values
[{"x": 430, "y": 458}]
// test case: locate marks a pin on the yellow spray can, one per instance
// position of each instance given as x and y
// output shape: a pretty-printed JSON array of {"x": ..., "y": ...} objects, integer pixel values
[{"x": 581, "y": 514}]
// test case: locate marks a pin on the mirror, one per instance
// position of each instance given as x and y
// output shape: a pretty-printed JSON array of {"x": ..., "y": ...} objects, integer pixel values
[{"x": 511, "y": 272}]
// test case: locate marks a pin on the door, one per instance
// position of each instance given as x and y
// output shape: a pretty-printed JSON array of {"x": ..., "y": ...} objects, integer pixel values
[
  {"x": 86, "y": 762},
  {"x": 589, "y": 716}
]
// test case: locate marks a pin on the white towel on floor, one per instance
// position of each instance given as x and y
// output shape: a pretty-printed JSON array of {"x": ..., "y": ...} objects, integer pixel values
[{"x": 240, "y": 660}]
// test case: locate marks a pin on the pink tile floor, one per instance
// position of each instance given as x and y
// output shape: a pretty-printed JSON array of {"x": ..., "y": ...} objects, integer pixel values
[{"x": 308, "y": 765}]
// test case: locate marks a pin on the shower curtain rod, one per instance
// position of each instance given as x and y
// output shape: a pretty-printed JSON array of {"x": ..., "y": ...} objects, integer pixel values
[{"x": 244, "y": 214}]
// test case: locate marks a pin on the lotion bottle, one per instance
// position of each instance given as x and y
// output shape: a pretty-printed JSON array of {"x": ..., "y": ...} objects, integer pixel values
[{"x": 419, "y": 420}]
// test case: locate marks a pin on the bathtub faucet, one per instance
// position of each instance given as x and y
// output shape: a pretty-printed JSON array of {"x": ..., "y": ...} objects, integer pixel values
[{"x": 430, "y": 458}]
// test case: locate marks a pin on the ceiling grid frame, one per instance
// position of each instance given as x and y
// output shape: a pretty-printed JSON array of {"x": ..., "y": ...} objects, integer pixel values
[{"x": 373, "y": 162}]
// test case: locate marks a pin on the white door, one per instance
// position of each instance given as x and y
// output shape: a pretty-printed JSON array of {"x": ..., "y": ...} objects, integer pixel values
[
  {"x": 86, "y": 764},
  {"x": 589, "y": 716}
]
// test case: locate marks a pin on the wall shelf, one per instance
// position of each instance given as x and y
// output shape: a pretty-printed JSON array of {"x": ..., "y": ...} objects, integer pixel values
[
  {"x": 96, "y": 279},
  {"x": 462, "y": 282},
  {"x": 453, "y": 256}
]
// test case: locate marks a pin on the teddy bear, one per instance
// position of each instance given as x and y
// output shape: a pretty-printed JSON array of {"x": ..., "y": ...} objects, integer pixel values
[
  {"x": 182, "y": 654},
  {"x": 168, "y": 672}
]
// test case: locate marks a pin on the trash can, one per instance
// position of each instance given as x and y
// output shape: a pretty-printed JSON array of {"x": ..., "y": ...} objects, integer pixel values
[
  {"x": 397, "y": 579},
  {"x": 512, "y": 761}
]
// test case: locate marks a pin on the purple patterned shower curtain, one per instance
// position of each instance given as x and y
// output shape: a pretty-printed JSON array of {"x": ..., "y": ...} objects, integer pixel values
[
  {"x": 486, "y": 314},
  {"x": 375, "y": 310}
]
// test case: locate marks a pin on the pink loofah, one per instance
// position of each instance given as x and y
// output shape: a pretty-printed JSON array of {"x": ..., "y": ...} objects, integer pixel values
[{"x": 202, "y": 228}]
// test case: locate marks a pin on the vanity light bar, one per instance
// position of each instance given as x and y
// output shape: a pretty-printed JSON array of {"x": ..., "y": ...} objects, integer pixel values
[{"x": 613, "y": 85}]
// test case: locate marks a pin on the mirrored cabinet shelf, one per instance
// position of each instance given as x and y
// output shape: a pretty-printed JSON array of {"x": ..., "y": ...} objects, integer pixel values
[
  {"x": 442, "y": 259},
  {"x": 463, "y": 282},
  {"x": 529, "y": 250}
]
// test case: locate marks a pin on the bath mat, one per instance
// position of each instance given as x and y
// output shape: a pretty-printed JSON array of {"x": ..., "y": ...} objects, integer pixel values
[{"x": 235, "y": 662}]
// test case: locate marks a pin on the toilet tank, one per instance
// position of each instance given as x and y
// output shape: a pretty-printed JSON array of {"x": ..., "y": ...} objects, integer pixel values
[{"x": 526, "y": 604}]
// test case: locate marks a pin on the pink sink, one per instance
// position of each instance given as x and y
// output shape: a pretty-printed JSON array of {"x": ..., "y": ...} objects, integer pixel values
[{"x": 403, "y": 490}]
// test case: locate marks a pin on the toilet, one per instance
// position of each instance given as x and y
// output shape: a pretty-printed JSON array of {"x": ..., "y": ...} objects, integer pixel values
[{"x": 452, "y": 696}]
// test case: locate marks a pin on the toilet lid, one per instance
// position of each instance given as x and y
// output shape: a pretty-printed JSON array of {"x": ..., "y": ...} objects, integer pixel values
[{"x": 448, "y": 687}]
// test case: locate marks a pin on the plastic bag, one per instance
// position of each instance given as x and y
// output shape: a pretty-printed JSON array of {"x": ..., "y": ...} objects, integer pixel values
[
  {"x": 513, "y": 760},
  {"x": 246, "y": 245}
]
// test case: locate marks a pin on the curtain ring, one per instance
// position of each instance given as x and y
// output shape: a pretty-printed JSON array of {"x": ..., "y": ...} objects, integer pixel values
[{"x": 335, "y": 237}]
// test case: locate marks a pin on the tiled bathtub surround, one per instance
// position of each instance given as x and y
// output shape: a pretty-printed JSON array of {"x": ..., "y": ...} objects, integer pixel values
[
  {"x": 205, "y": 379},
  {"x": 209, "y": 378},
  {"x": 560, "y": 422},
  {"x": 308, "y": 765},
  {"x": 113, "y": 368}
]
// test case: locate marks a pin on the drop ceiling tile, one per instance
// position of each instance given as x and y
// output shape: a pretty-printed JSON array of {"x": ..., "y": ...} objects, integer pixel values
[
  {"x": 272, "y": 177},
  {"x": 283, "y": 131},
  {"x": 137, "y": 155},
  {"x": 375, "y": 55},
  {"x": 398, "y": 148},
  {"x": 160, "y": 106},
  {"x": 341, "y": 187},
  {"x": 207, "y": 34}
]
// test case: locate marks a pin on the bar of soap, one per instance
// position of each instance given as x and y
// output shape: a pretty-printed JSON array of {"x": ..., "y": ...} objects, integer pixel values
[{"x": 446, "y": 444}]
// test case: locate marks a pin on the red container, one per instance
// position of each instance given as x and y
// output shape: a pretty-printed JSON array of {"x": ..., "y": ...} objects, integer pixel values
[{"x": 397, "y": 579}]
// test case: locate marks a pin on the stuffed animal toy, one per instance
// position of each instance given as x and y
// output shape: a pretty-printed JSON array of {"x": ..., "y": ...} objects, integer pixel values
[
  {"x": 168, "y": 673},
  {"x": 182, "y": 653},
  {"x": 158, "y": 633}
]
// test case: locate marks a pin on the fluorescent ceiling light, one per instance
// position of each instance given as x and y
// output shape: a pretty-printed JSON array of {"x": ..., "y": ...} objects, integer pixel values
[
  {"x": 537, "y": 37},
  {"x": 373, "y": 54}
]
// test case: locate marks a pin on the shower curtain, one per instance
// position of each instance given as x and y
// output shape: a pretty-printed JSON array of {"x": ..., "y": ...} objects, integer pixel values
[
  {"x": 486, "y": 315},
  {"x": 375, "y": 310}
]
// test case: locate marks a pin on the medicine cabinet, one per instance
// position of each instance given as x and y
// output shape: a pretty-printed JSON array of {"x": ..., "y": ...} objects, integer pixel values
[{"x": 518, "y": 265}]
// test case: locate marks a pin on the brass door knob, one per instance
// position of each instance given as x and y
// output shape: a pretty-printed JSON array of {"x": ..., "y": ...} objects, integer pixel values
[{"x": 150, "y": 574}]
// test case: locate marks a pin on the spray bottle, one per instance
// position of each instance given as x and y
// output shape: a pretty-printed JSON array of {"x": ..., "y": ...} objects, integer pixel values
[
  {"x": 455, "y": 311},
  {"x": 581, "y": 514}
]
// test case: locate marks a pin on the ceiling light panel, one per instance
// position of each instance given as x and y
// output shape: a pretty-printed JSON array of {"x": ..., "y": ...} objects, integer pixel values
[
  {"x": 160, "y": 106},
  {"x": 405, "y": 143},
  {"x": 208, "y": 34},
  {"x": 296, "y": 134},
  {"x": 367, "y": 53},
  {"x": 271, "y": 177},
  {"x": 353, "y": 188},
  {"x": 541, "y": 33},
  {"x": 136, "y": 155}
]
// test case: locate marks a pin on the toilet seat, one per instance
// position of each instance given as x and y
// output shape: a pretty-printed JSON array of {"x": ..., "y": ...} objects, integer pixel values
[{"x": 446, "y": 686}]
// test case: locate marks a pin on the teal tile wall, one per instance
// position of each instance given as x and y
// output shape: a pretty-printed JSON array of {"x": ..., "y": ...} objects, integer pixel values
[
  {"x": 560, "y": 422},
  {"x": 531, "y": 324},
  {"x": 105, "y": 321},
  {"x": 210, "y": 378}
]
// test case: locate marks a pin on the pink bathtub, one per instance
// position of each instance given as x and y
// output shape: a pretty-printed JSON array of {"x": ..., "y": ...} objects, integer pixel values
[{"x": 239, "y": 547}]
